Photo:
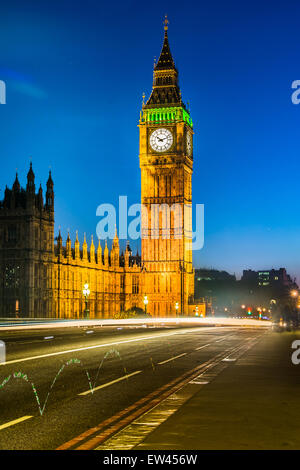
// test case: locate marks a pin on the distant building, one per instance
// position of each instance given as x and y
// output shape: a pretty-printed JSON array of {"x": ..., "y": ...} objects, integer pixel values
[
  {"x": 277, "y": 278},
  {"x": 213, "y": 275},
  {"x": 215, "y": 289}
]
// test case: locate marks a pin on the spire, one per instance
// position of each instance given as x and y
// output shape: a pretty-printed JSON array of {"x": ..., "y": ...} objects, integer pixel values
[
  {"x": 116, "y": 239},
  {"x": 69, "y": 246},
  {"x": 165, "y": 61},
  {"x": 165, "y": 90},
  {"x": 128, "y": 253},
  {"x": 50, "y": 193},
  {"x": 84, "y": 248},
  {"x": 77, "y": 246},
  {"x": 106, "y": 254},
  {"x": 16, "y": 185},
  {"x": 30, "y": 180},
  {"x": 50, "y": 182},
  {"x": 99, "y": 253},
  {"x": 92, "y": 251},
  {"x": 59, "y": 242},
  {"x": 115, "y": 252}
]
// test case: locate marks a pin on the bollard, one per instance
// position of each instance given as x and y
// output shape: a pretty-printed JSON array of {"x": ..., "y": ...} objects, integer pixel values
[{"x": 2, "y": 352}]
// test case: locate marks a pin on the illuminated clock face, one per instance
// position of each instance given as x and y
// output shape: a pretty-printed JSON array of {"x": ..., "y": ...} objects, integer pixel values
[
  {"x": 161, "y": 140},
  {"x": 189, "y": 143}
]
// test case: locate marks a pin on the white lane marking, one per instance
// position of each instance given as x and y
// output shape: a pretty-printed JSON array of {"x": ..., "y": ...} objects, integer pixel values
[
  {"x": 201, "y": 347},
  {"x": 48, "y": 337},
  {"x": 228, "y": 359},
  {"x": 198, "y": 382},
  {"x": 15, "y": 421},
  {"x": 222, "y": 339},
  {"x": 111, "y": 383},
  {"x": 89, "y": 332},
  {"x": 105, "y": 345},
  {"x": 172, "y": 358}
]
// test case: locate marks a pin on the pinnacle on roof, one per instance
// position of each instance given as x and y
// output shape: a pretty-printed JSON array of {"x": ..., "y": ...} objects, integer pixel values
[{"x": 165, "y": 60}]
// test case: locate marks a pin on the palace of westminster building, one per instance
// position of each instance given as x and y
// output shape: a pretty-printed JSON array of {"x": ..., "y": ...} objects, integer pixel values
[{"x": 41, "y": 277}]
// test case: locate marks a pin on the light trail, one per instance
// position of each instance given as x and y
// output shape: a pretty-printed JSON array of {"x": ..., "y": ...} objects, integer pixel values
[{"x": 159, "y": 322}]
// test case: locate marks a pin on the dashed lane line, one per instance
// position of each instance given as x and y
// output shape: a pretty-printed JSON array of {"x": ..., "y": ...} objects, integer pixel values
[
  {"x": 15, "y": 421},
  {"x": 124, "y": 377}
]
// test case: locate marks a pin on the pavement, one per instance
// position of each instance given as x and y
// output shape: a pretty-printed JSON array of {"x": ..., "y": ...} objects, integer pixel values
[{"x": 252, "y": 404}]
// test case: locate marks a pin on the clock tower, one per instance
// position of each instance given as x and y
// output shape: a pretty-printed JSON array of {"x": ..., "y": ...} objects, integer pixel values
[{"x": 166, "y": 162}]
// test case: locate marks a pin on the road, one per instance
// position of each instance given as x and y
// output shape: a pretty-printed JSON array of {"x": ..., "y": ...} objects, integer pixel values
[{"x": 62, "y": 388}]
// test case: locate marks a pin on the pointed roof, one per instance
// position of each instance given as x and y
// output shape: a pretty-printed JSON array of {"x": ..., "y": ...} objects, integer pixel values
[
  {"x": 50, "y": 181},
  {"x": 165, "y": 61},
  {"x": 165, "y": 90},
  {"x": 30, "y": 174},
  {"x": 92, "y": 242},
  {"x": 16, "y": 185}
]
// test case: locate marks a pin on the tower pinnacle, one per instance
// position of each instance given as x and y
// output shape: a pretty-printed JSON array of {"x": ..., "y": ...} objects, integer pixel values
[{"x": 166, "y": 22}]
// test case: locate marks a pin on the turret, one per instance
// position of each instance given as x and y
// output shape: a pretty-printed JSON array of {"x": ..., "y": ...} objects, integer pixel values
[
  {"x": 50, "y": 194},
  {"x": 68, "y": 247},
  {"x": 59, "y": 243},
  {"x": 92, "y": 251},
  {"x": 16, "y": 185},
  {"x": 127, "y": 254},
  {"x": 99, "y": 253},
  {"x": 84, "y": 249},
  {"x": 77, "y": 247},
  {"x": 115, "y": 252},
  {"x": 106, "y": 255},
  {"x": 30, "y": 187}
]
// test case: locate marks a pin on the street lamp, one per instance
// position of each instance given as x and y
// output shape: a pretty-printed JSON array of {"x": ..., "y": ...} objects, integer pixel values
[
  {"x": 86, "y": 292},
  {"x": 294, "y": 293},
  {"x": 176, "y": 308},
  {"x": 197, "y": 313},
  {"x": 146, "y": 303}
]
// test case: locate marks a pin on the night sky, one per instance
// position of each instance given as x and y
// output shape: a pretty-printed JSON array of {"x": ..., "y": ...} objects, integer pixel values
[{"x": 75, "y": 74}]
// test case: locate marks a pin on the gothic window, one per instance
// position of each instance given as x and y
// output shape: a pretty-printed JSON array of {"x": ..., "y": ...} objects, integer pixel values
[
  {"x": 135, "y": 284},
  {"x": 12, "y": 234},
  {"x": 12, "y": 276}
]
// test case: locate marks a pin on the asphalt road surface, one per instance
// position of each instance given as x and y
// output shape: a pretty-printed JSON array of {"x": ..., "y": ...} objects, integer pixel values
[{"x": 60, "y": 387}]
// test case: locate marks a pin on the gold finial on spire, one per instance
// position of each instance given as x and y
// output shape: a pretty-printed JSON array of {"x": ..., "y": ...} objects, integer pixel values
[{"x": 166, "y": 21}]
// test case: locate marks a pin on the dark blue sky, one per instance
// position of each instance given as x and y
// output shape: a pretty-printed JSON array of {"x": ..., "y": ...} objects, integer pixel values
[{"x": 75, "y": 73}]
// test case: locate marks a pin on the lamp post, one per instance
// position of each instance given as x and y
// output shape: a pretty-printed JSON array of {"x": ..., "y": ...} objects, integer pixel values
[
  {"x": 146, "y": 303},
  {"x": 86, "y": 292},
  {"x": 176, "y": 308}
]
